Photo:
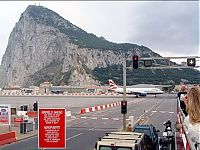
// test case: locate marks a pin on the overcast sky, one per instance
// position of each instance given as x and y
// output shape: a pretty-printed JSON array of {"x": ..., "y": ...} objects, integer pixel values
[{"x": 168, "y": 28}]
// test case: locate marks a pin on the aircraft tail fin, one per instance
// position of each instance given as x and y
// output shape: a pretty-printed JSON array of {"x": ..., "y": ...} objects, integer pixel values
[{"x": 112, "y": 84}]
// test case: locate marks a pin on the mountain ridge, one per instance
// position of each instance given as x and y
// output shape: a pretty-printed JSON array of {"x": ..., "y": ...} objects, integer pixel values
[{"x": 45, "y": 46}]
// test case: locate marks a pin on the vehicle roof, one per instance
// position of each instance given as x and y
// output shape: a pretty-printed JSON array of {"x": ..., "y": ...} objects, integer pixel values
[
  {"x": 144, "y": 126},
  {"x": 125, "y": 133},
  {"x": 122, "y": 140},
  {"x": 116, "y": 143},
  {"x": 123, "y": 137}
]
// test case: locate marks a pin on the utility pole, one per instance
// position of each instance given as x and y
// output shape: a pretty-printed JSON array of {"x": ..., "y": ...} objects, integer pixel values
[{"x": 124, "y": 90}]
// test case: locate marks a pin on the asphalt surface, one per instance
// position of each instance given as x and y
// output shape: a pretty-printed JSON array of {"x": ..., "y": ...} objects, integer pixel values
[{"x": 83, "y": 130}]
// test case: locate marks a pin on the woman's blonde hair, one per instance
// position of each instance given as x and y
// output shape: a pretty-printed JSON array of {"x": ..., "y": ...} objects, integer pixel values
[{"x": 193, "y": 106}]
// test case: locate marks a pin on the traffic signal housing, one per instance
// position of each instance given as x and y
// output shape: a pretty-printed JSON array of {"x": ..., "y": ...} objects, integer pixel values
[
  {"x": 24, "y": 108},
  {"x": 123, "y": 107},
  {"x": 191, "y": 62},
  {"x": 35, "y": 106},
  {"x": 135, "y": 61},
  {"x": 148, "y": 63}
]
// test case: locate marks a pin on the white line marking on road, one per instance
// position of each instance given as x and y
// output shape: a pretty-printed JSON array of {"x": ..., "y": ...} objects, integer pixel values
[
  {"x": 104, "y": 118},
  {"x": 74, "y": 136},
  {"x": 92, "y": 128},
  {"x": 74, "y": 117},
  {"x": 83, "y": 117},
  {"x": 151, "y": 115},
  {"x": 93, "y": 118},
  {"x": 70, "y": 120},
  {"x": 162, "y": 111}
]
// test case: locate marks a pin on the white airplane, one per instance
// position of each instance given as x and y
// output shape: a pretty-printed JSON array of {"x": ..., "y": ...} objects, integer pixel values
[{"x": 134, "y": 91}]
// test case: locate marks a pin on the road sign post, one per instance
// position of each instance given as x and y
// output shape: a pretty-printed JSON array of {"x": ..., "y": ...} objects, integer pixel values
[{"x": 52, "y": 128}]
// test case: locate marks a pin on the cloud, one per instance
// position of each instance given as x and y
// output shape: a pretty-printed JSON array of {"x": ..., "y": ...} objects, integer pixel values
[
  {"x": 165, "y": 27},
  {"x": 171, "y": 27}
]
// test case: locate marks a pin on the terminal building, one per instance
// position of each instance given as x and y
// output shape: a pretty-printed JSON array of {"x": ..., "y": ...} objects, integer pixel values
[{"x": 47, "y": 87}]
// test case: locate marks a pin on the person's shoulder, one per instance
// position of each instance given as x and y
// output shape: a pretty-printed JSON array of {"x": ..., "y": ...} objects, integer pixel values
[
  {"x": 187, "y": 120},
  {"x": 197, "y": 126}
]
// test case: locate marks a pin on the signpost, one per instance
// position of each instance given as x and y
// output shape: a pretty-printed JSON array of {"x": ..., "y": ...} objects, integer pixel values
[{"x": 52, "y": 128}]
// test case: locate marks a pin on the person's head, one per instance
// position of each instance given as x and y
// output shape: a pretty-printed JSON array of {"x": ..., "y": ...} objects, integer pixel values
[{"x": 193, "y": 104}]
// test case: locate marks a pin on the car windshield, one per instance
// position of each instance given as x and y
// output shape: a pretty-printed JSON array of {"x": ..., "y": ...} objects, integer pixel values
[{"x": 145, "y": 131}]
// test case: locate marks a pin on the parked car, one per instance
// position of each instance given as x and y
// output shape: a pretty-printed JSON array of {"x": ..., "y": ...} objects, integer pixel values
[{"x": 150, "y": 135}]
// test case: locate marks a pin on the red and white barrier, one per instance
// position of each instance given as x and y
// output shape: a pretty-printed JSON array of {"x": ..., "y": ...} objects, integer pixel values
[
  {"x": 66, "y": 94},
  {"x": 183, "y": 143},
  {"x": 100, "y": 107}
]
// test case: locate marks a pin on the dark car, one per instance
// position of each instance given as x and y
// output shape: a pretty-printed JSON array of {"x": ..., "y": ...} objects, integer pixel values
[{"x": 151, "y": 136}]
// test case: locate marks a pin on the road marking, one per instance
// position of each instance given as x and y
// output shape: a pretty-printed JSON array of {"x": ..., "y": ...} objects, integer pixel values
[
  {"x": 74, "y": 136},
  {"x": 151, "y": 115},
  {"x": 162, "y": 111},
  {"x": 104, "y": 118},
  {"x": 74, "y": 117},
  {"x": 92, "y": 128},
  {"x": 70, "y": 120},
  {"x": 93, "y": 118}
]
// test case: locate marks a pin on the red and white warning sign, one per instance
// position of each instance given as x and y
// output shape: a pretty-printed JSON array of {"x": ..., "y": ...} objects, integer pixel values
[{"x": 52, "y": 128}]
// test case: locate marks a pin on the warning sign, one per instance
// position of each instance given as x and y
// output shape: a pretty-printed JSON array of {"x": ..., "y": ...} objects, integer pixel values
[
  {"x": 5, "y": 114},
  {"x": 52, "y": 128}
]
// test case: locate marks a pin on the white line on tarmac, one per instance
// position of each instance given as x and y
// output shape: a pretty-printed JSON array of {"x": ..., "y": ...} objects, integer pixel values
[
  {"x": 151, "y": 114},
  {"x": 92, "y": 128},
  {"x": 74, "y": 136},
  {"x": 93, "y": 118}
]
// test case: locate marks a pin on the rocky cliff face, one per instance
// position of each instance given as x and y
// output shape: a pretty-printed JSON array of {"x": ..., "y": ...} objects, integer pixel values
[{"x": 45, "y": 46}]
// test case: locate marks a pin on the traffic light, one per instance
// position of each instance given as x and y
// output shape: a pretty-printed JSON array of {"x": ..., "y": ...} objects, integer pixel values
[
  {"x": 123, "y": 107},
  {"x": 147, "y": 63},
  {"x": 135, "y": 61},
  {"x": 191, "y": 62},
  {"x": 24, "y": 108},
  {"x": 35, "y": 106}
]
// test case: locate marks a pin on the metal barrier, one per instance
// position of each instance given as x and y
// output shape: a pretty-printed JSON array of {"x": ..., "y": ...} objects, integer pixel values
[
  {"x": 188, "y": 144},
  {"x": 26, "y": 127}
]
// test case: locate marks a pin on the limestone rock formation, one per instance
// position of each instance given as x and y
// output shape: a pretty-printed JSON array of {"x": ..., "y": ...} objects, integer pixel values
[{"x": 44, "y": 46}]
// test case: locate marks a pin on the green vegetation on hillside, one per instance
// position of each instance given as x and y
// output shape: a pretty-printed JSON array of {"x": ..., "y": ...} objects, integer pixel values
[{"x": 147, "y": 76}]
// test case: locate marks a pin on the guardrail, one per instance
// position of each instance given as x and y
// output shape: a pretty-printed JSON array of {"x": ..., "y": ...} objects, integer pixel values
[{"x": 188, "y": 144}]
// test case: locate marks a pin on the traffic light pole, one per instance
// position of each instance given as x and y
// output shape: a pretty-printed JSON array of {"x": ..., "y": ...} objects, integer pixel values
[{"x": 124, "y": 90}]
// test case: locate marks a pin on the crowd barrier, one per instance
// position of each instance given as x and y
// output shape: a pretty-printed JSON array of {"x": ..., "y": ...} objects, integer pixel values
[{"x": 188, "y": 144}]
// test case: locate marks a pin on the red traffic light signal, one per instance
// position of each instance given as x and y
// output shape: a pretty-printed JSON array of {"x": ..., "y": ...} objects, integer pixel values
[
  {"x": 123, "y": 107},
  {"x": 135, "y": 61}
]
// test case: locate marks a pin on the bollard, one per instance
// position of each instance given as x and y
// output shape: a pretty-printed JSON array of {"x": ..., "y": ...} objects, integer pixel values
[{"x": 131, "y": 122}]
